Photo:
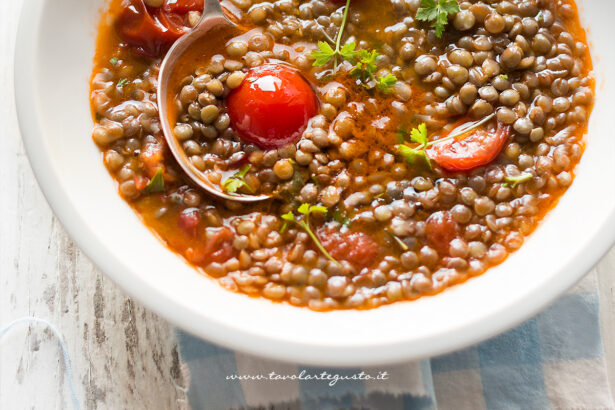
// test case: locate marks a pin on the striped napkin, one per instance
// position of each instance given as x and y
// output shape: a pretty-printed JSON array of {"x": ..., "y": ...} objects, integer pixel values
[{"x": 555, "y": 360}]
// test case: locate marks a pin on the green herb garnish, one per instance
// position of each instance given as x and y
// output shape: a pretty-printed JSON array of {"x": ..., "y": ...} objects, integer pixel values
[
  {"x": 512, "y": 182},
  {"x": 504, "y": 76},
  {"x": 365, "y": 67},
  {"x": 156, "y": 184},
  {"x": 114, "y": 61},
  {"x": 419, "y": 136},
  {"x": 326, "y": 53},
  {"x": 385, "y": 83},
  {"x": 233, "y": 183},
  {"x": 306, "y": 210},
  {"x": 437, "y": 11},
  {"x": 122, "y": 82},
  {"x": 364, "y": 61}
]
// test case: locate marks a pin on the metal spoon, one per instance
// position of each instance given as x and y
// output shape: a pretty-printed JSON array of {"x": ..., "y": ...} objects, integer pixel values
[{"x": 213, "y": 19}]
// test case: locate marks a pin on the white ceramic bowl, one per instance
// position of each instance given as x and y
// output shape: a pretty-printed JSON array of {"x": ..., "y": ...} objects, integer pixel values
[{"x": 53, "y": 63}]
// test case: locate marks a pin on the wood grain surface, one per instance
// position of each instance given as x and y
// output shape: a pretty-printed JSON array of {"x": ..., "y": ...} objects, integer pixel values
[{"x": 123, "y": 356}]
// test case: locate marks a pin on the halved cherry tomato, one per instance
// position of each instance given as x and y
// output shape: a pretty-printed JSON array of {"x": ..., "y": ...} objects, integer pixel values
[
  {"x": 150, "y": 31},
  {"x": 477, "y": 149},
  {"x": 357, "y": 247},
  {"x": 272, "y": 106}
]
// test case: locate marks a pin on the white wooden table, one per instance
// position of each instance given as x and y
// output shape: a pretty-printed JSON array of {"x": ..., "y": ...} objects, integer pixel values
[{"x": 123, "y": 356}]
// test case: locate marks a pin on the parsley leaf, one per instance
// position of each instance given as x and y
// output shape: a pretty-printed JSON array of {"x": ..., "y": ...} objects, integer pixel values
[
  {"x": 411, "y": 155},
  {"x": 156, "y": 184},
  {"x": 122, "y": 82},
  {"x": 348, "y": 51},
  {"x": 306, "y": 210},
  {"x": 385, "y": 83},
  {"x": 114, "y": 61},
  {"x": 419, "y": 136},
  {"x": 326, "y": 53},
  {"x": 323, "y": 55},
  {"x": 366, "y": 66},
  {"x": 512, "y": 182},
  {"x": 437, "y": 11},
  {"x": 364, "y": 61},
  {"x": 233, "y": 183}
]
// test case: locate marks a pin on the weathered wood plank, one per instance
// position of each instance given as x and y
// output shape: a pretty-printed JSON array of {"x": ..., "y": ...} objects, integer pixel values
[{"x": 123, "y": 356}]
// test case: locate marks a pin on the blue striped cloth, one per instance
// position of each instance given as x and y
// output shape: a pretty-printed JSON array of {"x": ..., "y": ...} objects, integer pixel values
[{"x": 555, "y": 360}]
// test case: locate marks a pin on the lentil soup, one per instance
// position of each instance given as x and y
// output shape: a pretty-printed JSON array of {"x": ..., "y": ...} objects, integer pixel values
[{"x": 406, "y": 145}]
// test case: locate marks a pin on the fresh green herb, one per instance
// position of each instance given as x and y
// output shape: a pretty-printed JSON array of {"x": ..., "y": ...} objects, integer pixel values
[
  {"x": 437, "y": 11},
  {"x": 364, "y": 61},
  {"x": 411, "y": 154},
  {"x": 156, "y": 184},
  {"x": 114, "y": 61},
  {"x": 340, "y": 218},
  {"x": 326, "y": 53},
  {"x": 385, "y": 83},
  {"x": 304, "y": 222},
  {"x": 233, "y": 183},
  {"x": 512, "y": 182},
  {"x": 504, "y": 76},
  {"x": 365, "y": 67},
  {"x": 122, "y": 82}
]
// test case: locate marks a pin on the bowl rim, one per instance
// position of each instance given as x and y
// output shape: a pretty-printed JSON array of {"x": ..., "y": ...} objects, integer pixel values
[{"x": 492, "y": 323}]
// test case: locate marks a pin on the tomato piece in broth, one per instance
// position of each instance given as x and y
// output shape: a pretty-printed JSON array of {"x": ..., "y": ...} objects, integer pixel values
[
  {"x": 151, "y": 31},
  {"x": 477, "y": 149}
]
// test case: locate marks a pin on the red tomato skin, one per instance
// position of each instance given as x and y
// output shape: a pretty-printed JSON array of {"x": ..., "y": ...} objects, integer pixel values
[
  {"x": 272, "y": 107},
  {"x": 218, "y": 248},
  {"x": 476, "y": 150},
  {"x": 151, "y": 31},
  {"x": 182, "y": 6},
  {"x": 357, "y": 248},
  {"x": 189, "y": 220},
  {"x": 440, "y": 230}
]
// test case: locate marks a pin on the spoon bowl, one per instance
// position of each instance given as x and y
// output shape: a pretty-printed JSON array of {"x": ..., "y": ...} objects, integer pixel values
[{"x": 212, "y": 20}]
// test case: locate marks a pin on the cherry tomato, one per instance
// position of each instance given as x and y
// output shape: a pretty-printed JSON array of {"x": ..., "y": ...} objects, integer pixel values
[
  {"x": 272, "y": 106},
  {"x": 440, "y": 230},
  {"x": 357, "y": 248},
  {"x": 150, "y": 31},
  {"x": 477, "y": 149}
]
